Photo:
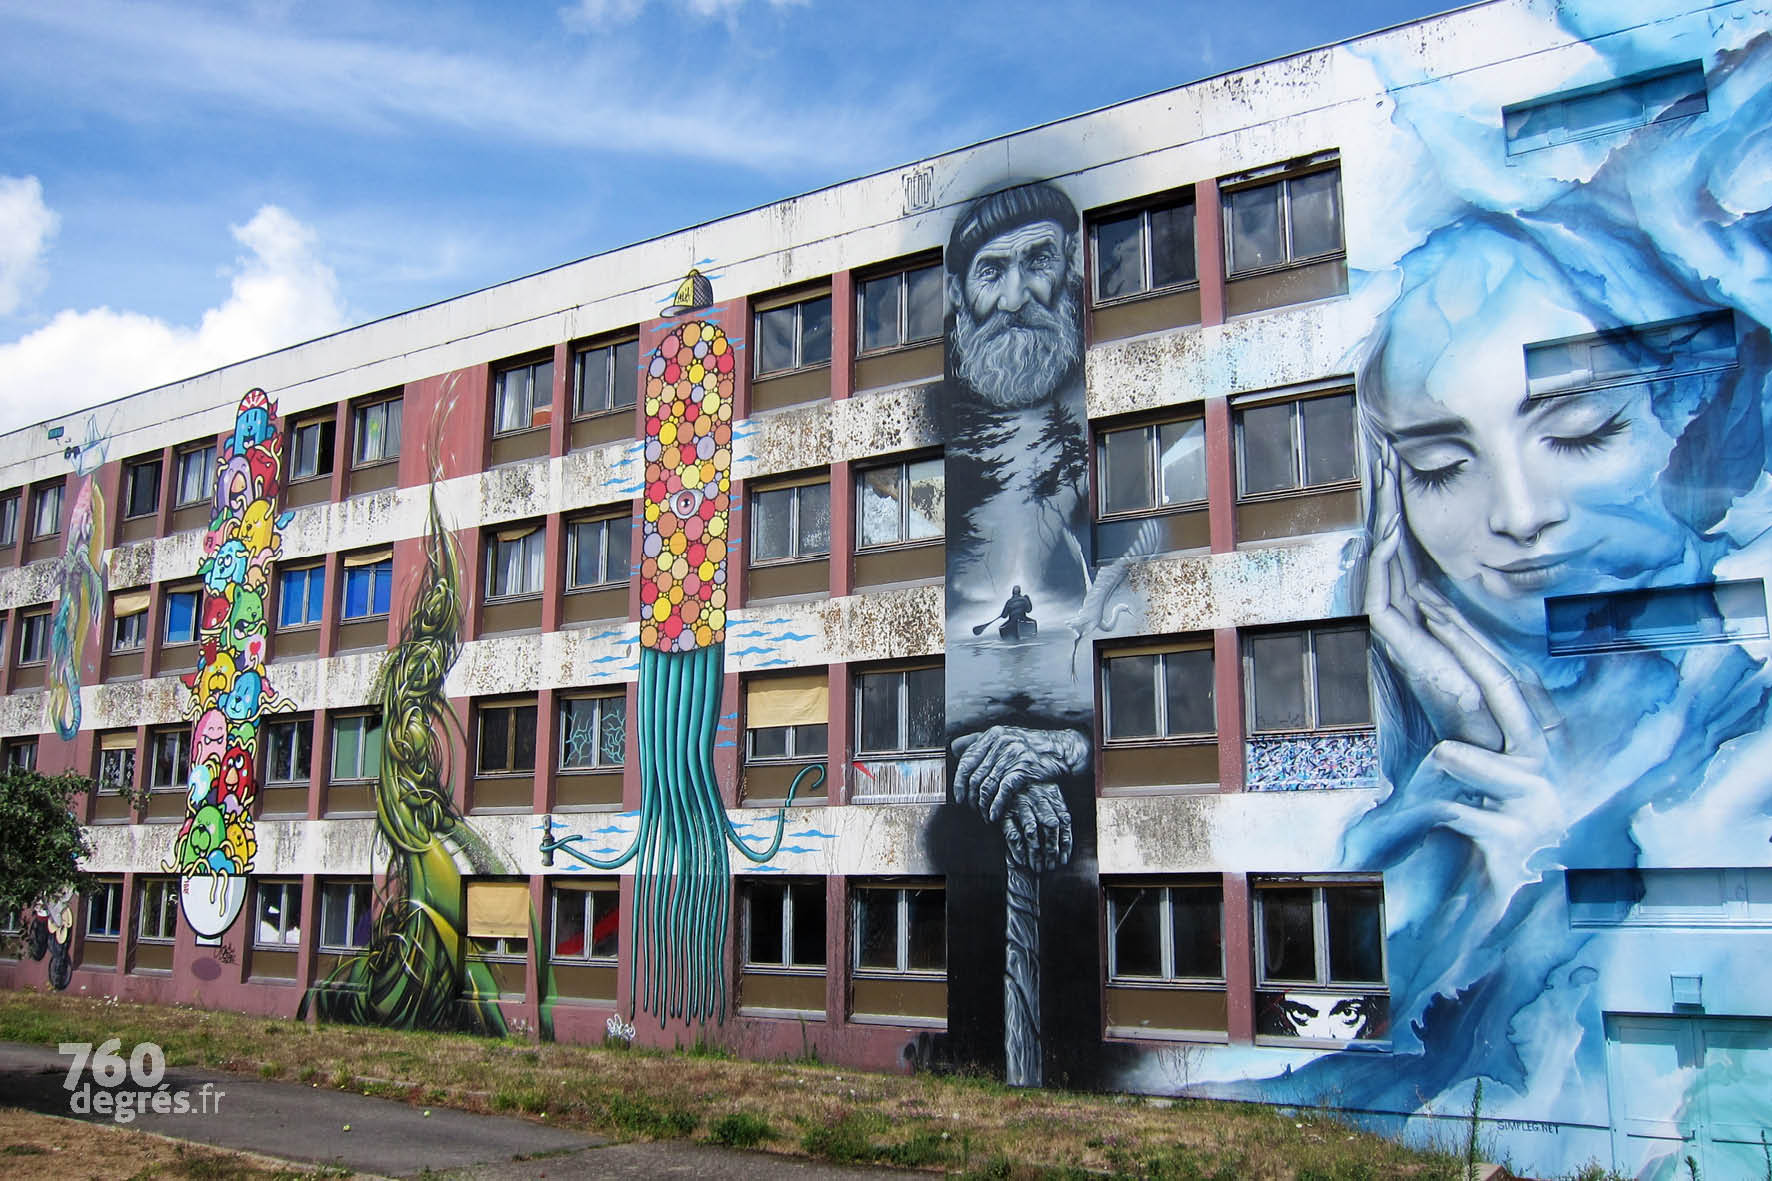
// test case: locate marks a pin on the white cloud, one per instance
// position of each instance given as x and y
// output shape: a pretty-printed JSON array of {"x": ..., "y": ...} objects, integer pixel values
[
  {"x": 282, "y": 293},
  {"x": 26, "y": 226}
]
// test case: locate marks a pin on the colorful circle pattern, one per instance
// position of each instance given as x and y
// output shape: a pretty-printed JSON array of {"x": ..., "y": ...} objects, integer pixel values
[{"x": 689, "y": 383}]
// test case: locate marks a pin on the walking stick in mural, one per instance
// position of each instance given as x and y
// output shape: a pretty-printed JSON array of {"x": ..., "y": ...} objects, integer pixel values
[
  {"x": 408, "y": 975},
  {"x": 229, "y": 692},
  {"x": 682, "y": 877}
]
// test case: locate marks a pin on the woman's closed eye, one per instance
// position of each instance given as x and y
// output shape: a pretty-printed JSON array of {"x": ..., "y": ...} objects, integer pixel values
[
  {"x": 1589, "y": 441},
  {"x": 1434, "y": 463}
]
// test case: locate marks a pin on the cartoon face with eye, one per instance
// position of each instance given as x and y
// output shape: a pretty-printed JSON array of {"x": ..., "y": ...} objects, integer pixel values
[
  {"x": 209, "y": 737},
  {"x": 252, "y": 426},
  {"x": 227, "y": 565},
  {"x": 218, "y": 677},
  {"x": 241, "y": 702},
  {"x": 237, "y": 781},
  {"x": 257, "y": 527},
  {"x": 246, "y": 620}
]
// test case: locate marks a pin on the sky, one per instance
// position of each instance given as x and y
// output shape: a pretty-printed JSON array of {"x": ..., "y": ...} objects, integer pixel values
[{"x": 187, "y": 185}]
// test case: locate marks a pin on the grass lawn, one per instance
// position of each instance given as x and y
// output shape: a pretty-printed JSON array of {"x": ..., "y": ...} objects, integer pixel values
[
  {"x": 952, "y": 1124},
  {"x": 33, "y": 1145}
]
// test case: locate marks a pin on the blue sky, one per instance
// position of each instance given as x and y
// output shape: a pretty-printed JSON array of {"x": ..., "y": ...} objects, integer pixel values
[{"x": 185, "y": 185}]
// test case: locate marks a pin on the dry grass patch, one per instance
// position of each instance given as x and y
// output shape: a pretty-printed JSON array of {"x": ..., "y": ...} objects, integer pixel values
[
  {"x": 952, "y": 1124},
  {"x": 47, "y": 1146}
]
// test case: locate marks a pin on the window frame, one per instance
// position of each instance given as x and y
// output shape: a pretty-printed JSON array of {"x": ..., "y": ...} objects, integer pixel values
[
  {"x": 1167, "y": 973},
  {"x": 797, "y": 304},
  {"x": 904, "y": 540},
  {"x": 135, "y": 623},
  {"x": 903, "y": 971},
  {"x": 133, "y": 471},
  {"x": 165, "y": 931},
  {"x": 531, "y": 550},
  {"x": 1284, "y": 178},
  {"x": 195, "y": 595},
  {"x": 378, "y": 587},
  {"x": 794, "y": 488},
  {"x": 495, "y": 948},
  {"x": 612, "y": 369},
  {"x": 792, "y": 740},
  {"x": 361, "y": 721},
  {"x": 175, "y": 743},
  {"x": 9, "y": 518},
  {"x": 1311, "y": 679},
  {"x": 611, "y": 895},
  {"x": 1153, "y": 431},
  {"x": 1298, "y": 441},
  {"x": 46, "y": 499},
  {"x": 353, "y": 889},
  {"x": 111, "y": 891},
  {"x": 303, "y": 723},
  {"x": 288, "y": 921},
  {"x": 512, "y": 711},
  {"x": 21, "y": 754},
  {"x": 1143, "y": 209},
  {"x": 903, "y": 750},
  {"x": 1323, "y": 982},
  {"x": 573, "y": 526},
  {"x": 787, "y": 965},
  {"x": 205, "y": 475},
  {"x": 533, "y": 404},
  {"x": 125, "y": 782},
  {"x": 308, "y": 605},
  {"x": 34, "y": 633},
  {"x": 325, "y": 437},
  {"x": 564, "y": 731},
  {"x": 360, "y": 415},
  {"x": 901, "y": 272},
  {"x": 1162, "y": 650}
]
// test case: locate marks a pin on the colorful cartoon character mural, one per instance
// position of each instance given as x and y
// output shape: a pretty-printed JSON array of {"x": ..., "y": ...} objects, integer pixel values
[
  {"x": 228, "y": 692},
  {"x": 682, "y": 878}
]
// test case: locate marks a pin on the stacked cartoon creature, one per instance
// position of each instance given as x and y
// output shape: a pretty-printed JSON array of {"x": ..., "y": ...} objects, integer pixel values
[{"x": 229, "y": 691}]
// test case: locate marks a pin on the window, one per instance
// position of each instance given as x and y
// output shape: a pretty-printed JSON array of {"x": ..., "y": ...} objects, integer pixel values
[
  {"x": 597, "y": 551},
  {"x": 21, "y": 754},
  {"x": 1158, "y": 694},
  {"x": 514, "y": 560},
  {"x": 605, "y": 378},
  {"x": 522, "y": 397},
  {"x": 141, "y": 488},
  {"x": 1641, "y": 99},
  {"x": 170, "y": 751},
  {"x": 901, "y": 711},
  {"x": 181, "y": 617},
  {"x": 1303, "y": 443},
  {"x": 1674, "y": 348},
  {"x": 1152, "y": 467},
  {"x": 356, "y": 747},
  {"x": 1714, "y": 897},
  {"x": 1307, "y": 680},
  {"x": 344, "y": 916},
  {"x": 311, "y": 444},
  {"x": 900, "y": 931},
  {"x": 33, "y": 638},
  {"x": 104, "y": 911},
  {"x": 1166, "y": 932},
  {"x": 900, "y": 503},
  {"x": 279, "y": 915},
  {"x": 498, "y": 920},
  {"x": 785, "y": 717},
  {"x": 784, "y": 924},
  {"x": 288, "y": 750},
  {"x": 369, "y": 584},
  {"x": 375, "y": 432},
  {"x": 9, "y": 520},
  {"x": 901, "y": 309},
  {"x": 129, "y": 621},
  {"x": 1661, "y": 617},
  {"x": 1294, "y": 219},
  {"x": 196, "y": 474},
  {"x": 1144, "y": 249},
  {"x": 593, "y": 732},
  {"x": 157, "y": 920},
  {"x": 46, "y": 512},
  {"x": 507, "y": 739},
  {"x": 795, "y": 336},
  {"x": 1320, "y": 961},
  {"x": 301, "y": 596},
  {"x": 587, "y": 924},
  {"x": 116, "y": 762},
  {"x": 789, "y": 524}
]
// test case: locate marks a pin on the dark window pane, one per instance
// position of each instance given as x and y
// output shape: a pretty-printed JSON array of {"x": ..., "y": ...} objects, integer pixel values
[
  {"x": 578, "y": 732},
  {"x": 769, "y": 742},
  {"x": 1198, "y": 927},
  {"x": 809, "y": 740},
  {"x": 587, "y": 549},
  {"x": 593, "y": 381},
  {"x": 1255, "y": 235},
  {"x": 1356, "y": 934},
  {"x": 1172, "y": 245},
  {"x": 927, "y": 911},
  {"x": 615, "y": 563},
  {"x": 1119, "y": 256},
  {"x": 615, "y": 731},
  {"x": 569, "y": 924},
  {"x": 1126, "y": 478},
  {"x": 1288, "y": 936},
  {"x": 541, "y": 391},
  {"x": 1187, "y": 684},
  {"x": 1181, "y": 462},
  {"x": 1342, "y": 699},
  {"x": 1265, "y": 435},
  {"x": 879, "y": 312},
  {"x": 1328, "y": 439},
  {"x": 765, "y": 933},
  {"x": 772, "y": 524},
  {"x": 1131, "y": 693},
  {"x": 879, "y": 712},
  {"x": 347, "y": 738},
  {"x": 815, "y": 331},
  {"x": 814, "y": 536},
  {"x": 523, "y": 755},
  {"x": 876, "y": 929},
  {"x": 1278, "y": 681},
  {"x": 775, "y": 343},
  {"x": 605, "y": 923},
  {"x": 495, "y": 740},
  {"x": 1138, "y": 932},
  {"x": 336, "y": 927},
  {"x": 923, "y": 304},
  {"x": 624, "y": 381},
  {"x": 808, "y": 932},
  {"x": 1316, "y": 213},
  {"x": 927, "y": 723}
]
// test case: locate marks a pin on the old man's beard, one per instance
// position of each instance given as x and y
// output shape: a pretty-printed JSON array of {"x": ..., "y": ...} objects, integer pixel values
[{"x": 1016, "y": 359}]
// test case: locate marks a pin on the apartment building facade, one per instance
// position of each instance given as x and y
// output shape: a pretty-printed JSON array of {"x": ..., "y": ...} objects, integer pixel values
[{"x": 1363, "y": 455}]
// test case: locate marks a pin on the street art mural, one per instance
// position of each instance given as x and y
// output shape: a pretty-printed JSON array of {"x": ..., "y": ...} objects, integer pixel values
[
  {"x": 682, "y": 874},
  {"x": 229, "y": 692},
  {"x": 415, "y": 972},
  {"x": 82, "y": 585},
  {"x": 49, "y": 928}
]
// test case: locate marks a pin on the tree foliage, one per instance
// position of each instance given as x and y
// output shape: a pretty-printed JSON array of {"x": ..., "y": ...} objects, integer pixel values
[{"x": 41, "y": 843}]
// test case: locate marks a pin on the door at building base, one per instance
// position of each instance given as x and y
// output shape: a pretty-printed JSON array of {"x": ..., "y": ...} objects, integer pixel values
[{"x": 1698, "y": 1087}]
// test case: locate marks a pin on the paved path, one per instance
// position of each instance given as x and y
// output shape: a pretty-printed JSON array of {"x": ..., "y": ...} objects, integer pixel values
[{"x": 305, "y": 1123}]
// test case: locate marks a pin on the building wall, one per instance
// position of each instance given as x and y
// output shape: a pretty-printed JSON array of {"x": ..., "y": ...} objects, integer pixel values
[{"x": 1392, "y": 532}]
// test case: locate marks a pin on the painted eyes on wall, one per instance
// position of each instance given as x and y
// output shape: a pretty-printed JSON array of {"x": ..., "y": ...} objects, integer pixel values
[
  {"x": 686, "y": 503},
  {"x": 1429, "y": 477}
]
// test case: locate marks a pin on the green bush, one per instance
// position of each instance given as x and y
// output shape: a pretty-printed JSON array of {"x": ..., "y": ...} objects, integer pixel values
[{"x": 740, "y": 1129}]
